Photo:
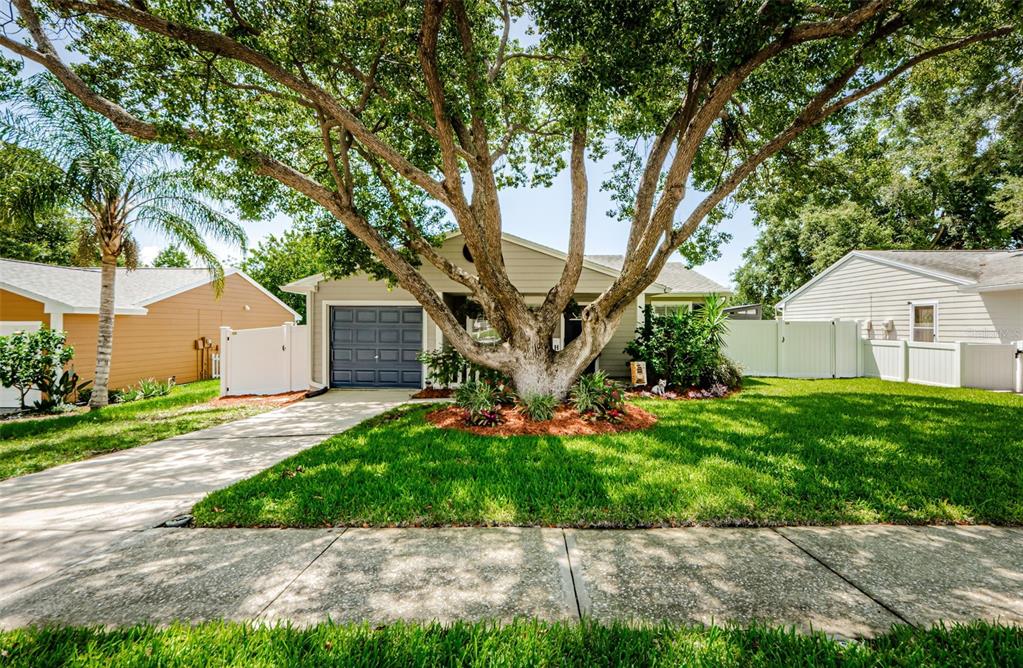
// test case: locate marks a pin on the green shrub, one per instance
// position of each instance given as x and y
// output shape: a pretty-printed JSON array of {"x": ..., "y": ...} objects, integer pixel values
[
  {"x": 597, "y": 397},
  {"x": 29, "y": 360},
  {"x": 444, "y": 366},
  {"x": 478, "y": 398},
  {"x": 538, "y": 407},
  {"x": 684, "y": 348}
]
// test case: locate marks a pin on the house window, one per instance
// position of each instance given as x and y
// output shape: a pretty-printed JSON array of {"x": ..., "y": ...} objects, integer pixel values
[
  {"x": 665, "y": 309},
  {"x": 924, "y": 322}
]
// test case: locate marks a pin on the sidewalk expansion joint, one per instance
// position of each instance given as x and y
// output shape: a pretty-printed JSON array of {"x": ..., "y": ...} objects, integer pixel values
[
  {"x": 571, "y": 574},
  {"x": 892, "y": 611},
  {"x": 300, "y": 574}
]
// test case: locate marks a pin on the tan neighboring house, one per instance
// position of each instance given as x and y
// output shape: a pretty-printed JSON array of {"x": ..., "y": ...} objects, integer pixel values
[
  {"x": 367, "y": 334},
  {"x": 927, "y": 296},
  {"x": 160, "y": 314}
]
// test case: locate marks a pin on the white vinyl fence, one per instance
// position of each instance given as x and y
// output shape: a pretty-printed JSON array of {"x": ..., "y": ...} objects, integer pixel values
[
  {"x": 267, "y": 360},
  {"x": 835, "y": 349}
]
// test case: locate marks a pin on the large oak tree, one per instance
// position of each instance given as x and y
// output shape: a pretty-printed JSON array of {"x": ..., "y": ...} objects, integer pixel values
[{"x": 377, "y": 111}]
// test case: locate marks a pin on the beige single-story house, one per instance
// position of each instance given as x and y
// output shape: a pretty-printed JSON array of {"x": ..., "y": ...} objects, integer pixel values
[
  {"x": 365, "y": 333},
  {"x": 160, "y": 315},
  {"x": 927, "y": 296}
]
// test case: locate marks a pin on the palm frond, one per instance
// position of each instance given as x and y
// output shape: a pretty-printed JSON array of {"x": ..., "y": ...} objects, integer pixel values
[{"x": 185, "y": 232}]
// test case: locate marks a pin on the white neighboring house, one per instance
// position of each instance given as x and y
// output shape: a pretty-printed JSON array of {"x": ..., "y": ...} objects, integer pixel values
[{"x": 923, "y": 296}]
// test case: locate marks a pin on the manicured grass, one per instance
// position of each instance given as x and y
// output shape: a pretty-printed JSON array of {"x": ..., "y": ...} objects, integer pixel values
[
  {"x": 521, "y": 643},
  {"x": 33, "y": 444},
  {"x": 780, "y": 452}
]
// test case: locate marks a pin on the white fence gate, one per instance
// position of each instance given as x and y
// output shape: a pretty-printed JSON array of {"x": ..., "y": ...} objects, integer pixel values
[
  {"x": 818, "y": 349},
  {"x": 834, "y": 349},
  {"x": 267, "y": 360}
]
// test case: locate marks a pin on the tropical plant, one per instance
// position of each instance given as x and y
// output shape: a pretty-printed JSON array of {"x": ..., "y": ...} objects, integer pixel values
[
  {"x": 479, "y": 401},
  {"x": 598, "y": 397},
  {"x": 684, "y": 347},
  {"x": 146, "y": 388},
  {"x": 59, "y": 392},
  {"x": 119, "y": 183},
  {"x": 370, "y": 116},
  {"x": 538, "y": 407},
  {"x": 30, "y": 360}
]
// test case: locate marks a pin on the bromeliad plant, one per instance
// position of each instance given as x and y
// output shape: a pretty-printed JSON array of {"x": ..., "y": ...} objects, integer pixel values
[
  {"x": 597, "y": 397},
  {"x": 479, "y": 399}
]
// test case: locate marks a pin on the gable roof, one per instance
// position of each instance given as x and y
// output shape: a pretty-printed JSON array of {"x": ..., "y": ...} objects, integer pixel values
[
  {"x": 76, "y": 289},
  {"x": 979, "y": 270},
  {"x": 674, "y": 276}
]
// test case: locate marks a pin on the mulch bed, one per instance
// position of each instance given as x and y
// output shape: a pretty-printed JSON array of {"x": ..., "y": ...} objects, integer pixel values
[
  {"x": 433, "y": 393},
  {"x": 271, "y": 400},
  {"x": 566, "y": 422},
  {"x": 675, "y": 394}
]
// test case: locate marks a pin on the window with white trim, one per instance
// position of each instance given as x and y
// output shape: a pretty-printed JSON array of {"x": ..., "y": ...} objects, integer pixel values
[
  {"x": 924, "y": 322},
  {"x": 671, "y": 307}
]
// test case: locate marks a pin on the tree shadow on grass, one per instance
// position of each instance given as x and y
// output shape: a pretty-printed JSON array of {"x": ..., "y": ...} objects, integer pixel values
[{"x": 833, "y": 452}]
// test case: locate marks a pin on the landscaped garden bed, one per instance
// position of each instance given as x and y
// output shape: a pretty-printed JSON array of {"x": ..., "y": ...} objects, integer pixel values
[
  {"x": 566, "y": 422},
  {"x": 781, "y": 452}
]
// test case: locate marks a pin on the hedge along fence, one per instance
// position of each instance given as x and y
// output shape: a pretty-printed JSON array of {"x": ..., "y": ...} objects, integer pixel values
[{"x": 836, "y": 349}]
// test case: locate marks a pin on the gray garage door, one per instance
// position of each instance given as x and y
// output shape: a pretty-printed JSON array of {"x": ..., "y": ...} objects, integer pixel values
[{"x": 375, "y": 346}]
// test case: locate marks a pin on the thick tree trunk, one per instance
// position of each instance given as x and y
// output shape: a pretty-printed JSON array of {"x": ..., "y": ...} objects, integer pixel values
[
  {"x": 105, "y": 335},
  {"x": 540, "y": 370}
]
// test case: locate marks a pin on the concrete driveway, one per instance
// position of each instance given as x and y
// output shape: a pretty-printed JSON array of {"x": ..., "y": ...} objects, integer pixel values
[{"x": 53, "y": 518}]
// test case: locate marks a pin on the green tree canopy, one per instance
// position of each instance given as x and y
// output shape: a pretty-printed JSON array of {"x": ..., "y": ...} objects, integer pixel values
[
  {"x": 279, "y": 260},
  {"x": 172, "y": 256},
  {"x": 935, "y": 163}
]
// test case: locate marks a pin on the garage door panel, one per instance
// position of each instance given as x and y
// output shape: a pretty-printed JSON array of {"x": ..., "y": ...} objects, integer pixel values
[{"x": 376, "y": 346}]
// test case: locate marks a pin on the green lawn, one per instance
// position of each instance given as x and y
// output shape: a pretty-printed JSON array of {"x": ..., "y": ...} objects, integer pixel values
[
  {"x": 518, "y": 644},
  {"x": 33, "y": 444},
  {"x": 780, "y": 452}
]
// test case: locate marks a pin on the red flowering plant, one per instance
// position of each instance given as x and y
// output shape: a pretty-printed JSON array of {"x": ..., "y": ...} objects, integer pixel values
[{"x": 597, "y": 397}]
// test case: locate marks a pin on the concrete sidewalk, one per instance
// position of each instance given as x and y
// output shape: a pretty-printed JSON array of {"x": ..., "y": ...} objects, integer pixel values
[
  {"x": 51, "y": 519},
  {"x": 846, "y": 581}
]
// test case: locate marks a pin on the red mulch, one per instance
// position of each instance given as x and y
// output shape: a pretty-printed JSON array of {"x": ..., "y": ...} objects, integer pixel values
[
  {"x": 566, "y": 422},
  {"x": 270, "y": 400},
  {"x": 433, "y": 393}
]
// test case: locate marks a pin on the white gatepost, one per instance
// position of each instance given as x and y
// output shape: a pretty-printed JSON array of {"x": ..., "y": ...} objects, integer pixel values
[
  {"x": 903, "y": 360},
  {"x": 225, "y": 359}
]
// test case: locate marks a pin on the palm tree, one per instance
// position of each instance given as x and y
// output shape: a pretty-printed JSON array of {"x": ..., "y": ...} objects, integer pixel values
[{"x": 117, "y": 183}]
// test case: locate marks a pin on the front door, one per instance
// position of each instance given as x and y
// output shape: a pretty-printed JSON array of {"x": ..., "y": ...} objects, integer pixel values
[{"x": 573, "y": 328}]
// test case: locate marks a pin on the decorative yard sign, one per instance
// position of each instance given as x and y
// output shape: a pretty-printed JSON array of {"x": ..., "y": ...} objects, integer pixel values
[{"x": 638, "y": 372}]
